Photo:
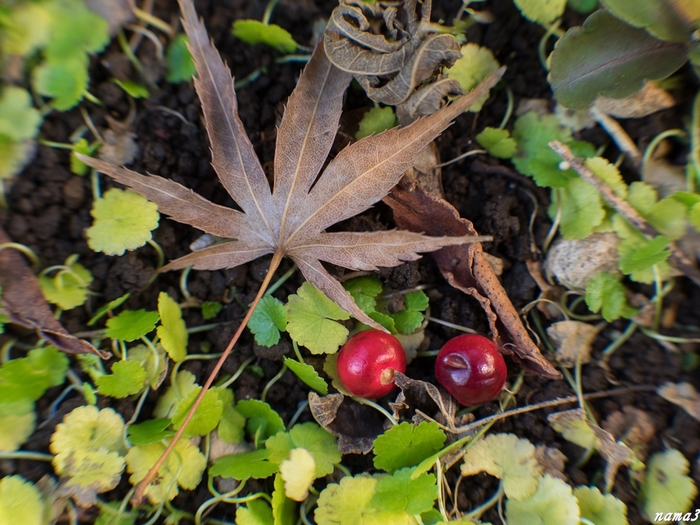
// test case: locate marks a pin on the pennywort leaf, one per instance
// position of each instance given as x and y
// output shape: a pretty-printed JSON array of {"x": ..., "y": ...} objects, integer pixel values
[
  {"x": 244, "y": 466},
  {"x": 183, "y": 468},
  {"x": 68, "y": 288},
  {"x": 308, "y": 375},
  {"x": 553, "y": 503},
  {"x": 543, "y": 12},
  {"x": 606, "y": 294},
  {"x": 172, "y": 330},
  {"x": 475, "y": 65},
  {"x": 667, "y": 486},
  {"x": 311, "y": 320},
  {"x": 406, "y": 445},
  {"x": 185, "y": 383},
  {"x": 19, "y": 120},
  {"x": 130, "y": 325},
  {"x": 506, "y": 457},
  {"x": 262, "y": 420},
  {"x": 179, "y": 60},
  {"x": 211, "y": 309},
  {"x": 375, "y": 121},
  {"x": 497, "y": 142},
  {"x": 311, "y": 437},
  {"x": 298, "y": 473},
  {"x": 127, "y": 378},
  {"x": 581, "y": 209},
  {"x": 123, "y": 221},
  {"x": 205, "y": 418},
  {"x": 20, "y": 502},
  {"x": 600, "y": 509},
  {"x": 268, "y": 320},
  {"x": 29, "y": 377},
  {"x": 255, "y": 512},
  {"x": 399, "y": 492},
  {"x": 149, "y": 431},
  {"x": 17, "y": 423}
]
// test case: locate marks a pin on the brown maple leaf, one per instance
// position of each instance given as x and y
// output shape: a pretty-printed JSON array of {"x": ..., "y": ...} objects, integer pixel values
[{"x": 291, "y": 219}]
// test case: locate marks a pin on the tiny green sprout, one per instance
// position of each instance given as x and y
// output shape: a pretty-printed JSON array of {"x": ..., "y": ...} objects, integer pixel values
[
  {"x": 82, "y": 146},
  {"x": 311, "y": 320},
  {"x": 506, "y": 457},
  {"x": 124, "y": 221},
  {"x": 410, "y": 318},
  {"x": 68, "y": 288},
  {"x": 544, "y": 12},
  {"x": 131, "y": 88},
  {"x": 667, "y": 488},
  {"x": 89, "y": 447},
  {"x": 308, "y": 375},
  {"x": 475, "y": 65},
  {"x": 21, "y": 502},
  {"x": 182, "y": 469},
  {"x": 255, "y": 32},
  {"x": 553, "y": 503},
  {"x": 375, "y": 121},
  {"x": 179, "y": 60},
  {"x": 211, "y": 309},
  {"x": 172, "y": 330},
  {"x": 497, "y": 142},
  {"x": 406, "y": 445}
]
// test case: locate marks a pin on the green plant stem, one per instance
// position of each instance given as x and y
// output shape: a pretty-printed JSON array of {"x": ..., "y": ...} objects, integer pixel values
[
  {"x": 238, "y": 372},
  {"x": 23, "y": 454},
  {"x": 509, "y": 108},
  {"x": 462, "y": 157},
  {"x": 95, "y": 182},
  {"x": 203, "y": 328},
  {"x": 451, "y": 325},
  {"x": 695, "y": 136},
  {"x": 377, "y": 407},
  {"x": 486, "y": 505},
  {"x": 252, "y": 77},
  {"x": 57, "y": 145},
  {"x": 5, "y": 351},
  {"x": 183, "y": 283},
  {"x": 295, "y": 345},
  {"x": 272, "y": 381},
  {"x": 268, "y": 11},
  {"x": 25, "y": 250},
  {"x": 552, "y": 30},
  {"x": 279, "y": 282},
  {"x": 651, "y": 147},
  {"x": 619, "y": 341},
  {"x": 128, "y": 52},
  {"x": 556, "y": 197},
  {"x": 293, "y": 58},
  {"x": 153, "y": 20},
  {"x": 213, "y": 501},
  {"x": 92, "y": 98},
  {"x": 159, "y": 251}
]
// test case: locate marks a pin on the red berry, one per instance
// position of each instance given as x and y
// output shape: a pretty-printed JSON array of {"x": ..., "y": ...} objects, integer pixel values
[
  {"x": 471, "y": 368},
  {"x": 367, "y": 362}
]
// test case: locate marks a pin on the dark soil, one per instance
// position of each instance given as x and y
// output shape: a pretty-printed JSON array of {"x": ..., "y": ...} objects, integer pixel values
[{"x": 49, "y": 209}]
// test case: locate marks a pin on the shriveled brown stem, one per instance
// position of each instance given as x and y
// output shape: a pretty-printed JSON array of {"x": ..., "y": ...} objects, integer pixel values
[
  {"x": 137, "y": 498},
  {"x": 677, "y": 259}
]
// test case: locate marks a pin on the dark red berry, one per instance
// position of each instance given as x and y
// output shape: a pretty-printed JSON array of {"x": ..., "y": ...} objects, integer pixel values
[
  {"x": 471, "y": 368},
  {"x": 367, "y": 362}
]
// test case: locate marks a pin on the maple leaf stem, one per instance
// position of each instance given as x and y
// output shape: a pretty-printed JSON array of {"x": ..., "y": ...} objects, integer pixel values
[{"x": 137, "y": 498}]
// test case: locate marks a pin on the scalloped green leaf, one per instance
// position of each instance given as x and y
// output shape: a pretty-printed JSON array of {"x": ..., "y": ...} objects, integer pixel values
[
  {"x": 475, "y": 64},
  {"x": 29, "y": 377},
  {"x": 255, "y": 512},
  {"x": 600, "y": 509},
  {"x": 401, "y": 493},
  {"x": 206, "y": 417},
  {"x": 65, "y": 81},
  {"x": 18, "y": 118},
  {"x": 581, "y": 209},
  {"x": 262, "y": 420},
  {"x": 553, "y": 503},
  {"x": 543, "y": 12},
  {"x": 268, "y": 320},
  {"x": 149, "y": 431},
  {"x": 375, "y": 121},
  {"x": 607, "y": 295},
  {"x": 179, "y": 60},
  {"x": 20, "y": 502},
  {"x": 69, "y": 287},
  {"x": 124, "y": 221},
  {"x": 497, "y": 142},
  {"x": 608, "y": 57},
  {"x": 406, "y": 445},
  {"x": 667, "y": 486},
  {"x": 17, "y": 423},
  {"x": 127, "y": 378},
  {"x": 244, "y": 466},
  {"x": 172, "y": 331},
  {"x": 130, "y": 325}
]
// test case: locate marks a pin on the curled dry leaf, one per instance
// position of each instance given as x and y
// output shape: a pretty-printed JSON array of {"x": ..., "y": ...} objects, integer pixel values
[
  {"x": 467, "y": 269},
  {"x": 632, "y": 426},
  {"x": 573, "y": 341},
  {"x": 682, "y": 394},
  {"x": 616, "y": 453},
  {"x": 552, "y": 461},
  {"x": 650, "y": 99},
  {"x": 25, "y": 305},
  {"x": 356, "y": 426},
  {"x": 423, "y": 397},
  {"x": 291, "y": 220},
  {"x": 391, "y": 53}
]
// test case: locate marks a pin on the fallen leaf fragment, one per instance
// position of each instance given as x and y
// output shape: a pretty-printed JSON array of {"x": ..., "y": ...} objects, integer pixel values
[
  {"x": 25, "y": 305},
  {"x": 682, "y": 394},
  {"x": 552, "y": 461},
  {"x": 632, "y": 426},
  {"x": 650, "y": 99},
  {"x": 573, "y": 341},
  {"x": 466, "y": 268}
]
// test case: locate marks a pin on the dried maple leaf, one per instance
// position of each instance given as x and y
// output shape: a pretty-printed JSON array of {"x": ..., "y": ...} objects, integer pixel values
[{"x": 291, "y": 220}]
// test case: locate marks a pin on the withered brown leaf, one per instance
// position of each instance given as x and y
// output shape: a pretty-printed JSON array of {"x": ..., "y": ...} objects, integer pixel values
[
  {"x": 467, "y": 269},
  {"x": 25, "y": 305},
  {"x": 291, "y": 219}
]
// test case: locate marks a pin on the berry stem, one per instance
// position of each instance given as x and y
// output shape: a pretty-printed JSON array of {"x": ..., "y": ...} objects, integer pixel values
[{"x": 137, "y": 498}]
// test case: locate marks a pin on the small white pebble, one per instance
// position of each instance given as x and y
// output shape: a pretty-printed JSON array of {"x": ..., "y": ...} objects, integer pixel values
[{"x": 564, "y": 165}]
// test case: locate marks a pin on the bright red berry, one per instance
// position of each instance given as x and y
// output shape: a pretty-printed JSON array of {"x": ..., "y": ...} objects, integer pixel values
[
  {"x": 367, "y": 362},
  {"x": 471, "y": 368}
]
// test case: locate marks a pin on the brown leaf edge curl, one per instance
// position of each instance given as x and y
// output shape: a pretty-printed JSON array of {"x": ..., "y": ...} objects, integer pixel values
[
  {"x": 25, "y": 305},
  {"x": 466, "y": 268}
]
